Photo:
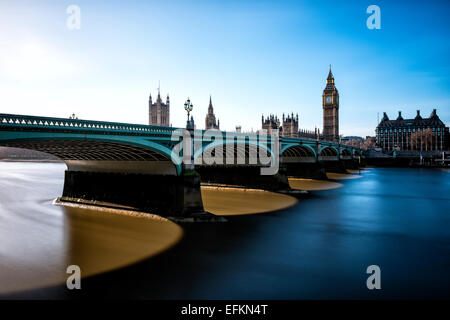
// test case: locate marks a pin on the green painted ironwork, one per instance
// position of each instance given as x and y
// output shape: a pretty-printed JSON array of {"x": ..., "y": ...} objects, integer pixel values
[{"x": 156, "y": 138}]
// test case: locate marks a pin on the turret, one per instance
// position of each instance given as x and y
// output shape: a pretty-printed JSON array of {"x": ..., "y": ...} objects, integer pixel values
[
  {"x": 418, "y": 115},
  {"x": 210, "y": 107},
  {"x": 330, "y": 78}
]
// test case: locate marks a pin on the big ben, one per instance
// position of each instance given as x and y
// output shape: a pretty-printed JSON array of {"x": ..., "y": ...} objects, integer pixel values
[{"x": 330, "y": 102}]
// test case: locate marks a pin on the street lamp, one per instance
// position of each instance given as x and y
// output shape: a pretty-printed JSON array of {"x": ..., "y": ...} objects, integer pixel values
[{"x": 188, "y": 106}]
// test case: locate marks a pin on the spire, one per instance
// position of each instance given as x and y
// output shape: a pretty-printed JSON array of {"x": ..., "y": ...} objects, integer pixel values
[
  {"x": 159, "y": 90},
  {"x": 210, "y": 107},
  {"x": 330, "y": 75}
]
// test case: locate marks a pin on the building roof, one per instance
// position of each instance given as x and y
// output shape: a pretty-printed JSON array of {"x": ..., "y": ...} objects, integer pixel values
[
  {"x": 330, "y": 87},
  {"x": 418, "y": 121}
]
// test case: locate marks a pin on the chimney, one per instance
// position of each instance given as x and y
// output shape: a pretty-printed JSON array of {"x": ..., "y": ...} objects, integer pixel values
[
  {"x": 399, "y": 113},
  {"x": 418, "y": 113}
]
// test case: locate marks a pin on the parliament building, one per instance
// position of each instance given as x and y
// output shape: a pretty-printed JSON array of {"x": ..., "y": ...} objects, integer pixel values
[
  {"x": 159, "y": 112},
  {"x": 210, "y": 119}
]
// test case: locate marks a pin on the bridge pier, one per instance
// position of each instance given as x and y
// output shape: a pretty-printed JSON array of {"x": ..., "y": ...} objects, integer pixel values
[
  {"x": 165, "y": 195},
  {"x": 306, "y": 170},
  {"x": 351, "y": 164},
  {"x": 334, "y": 166},
  {"x": 248, "y": 176}
]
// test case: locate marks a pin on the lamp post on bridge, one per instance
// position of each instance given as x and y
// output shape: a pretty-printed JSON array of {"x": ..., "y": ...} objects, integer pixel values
[
  {"x": 188, "y": 140},
  {"x": 188, "y": 106}
]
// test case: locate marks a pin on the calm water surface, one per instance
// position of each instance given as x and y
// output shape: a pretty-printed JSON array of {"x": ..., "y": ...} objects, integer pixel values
[{"x": 320, "y": 248}]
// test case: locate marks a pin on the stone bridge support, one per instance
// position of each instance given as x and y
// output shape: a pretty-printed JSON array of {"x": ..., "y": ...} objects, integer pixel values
[
  {"x": 334, "y": 166},
  {"x": 165, "y": 195},
  {"x": 243, "y": 176},
  {"x": 352, "y": 164},
  {"x": 306, "y": 170}
]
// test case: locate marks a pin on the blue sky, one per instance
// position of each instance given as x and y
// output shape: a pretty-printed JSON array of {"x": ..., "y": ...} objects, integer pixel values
[{"x": 253, "y": 57}]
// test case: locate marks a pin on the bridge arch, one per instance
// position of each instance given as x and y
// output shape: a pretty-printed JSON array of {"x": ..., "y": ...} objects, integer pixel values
[
  {"x": 89, "y": 153},
  {"x": 241, "y": 149},
  {"x": 329, "y": 152},
  {"x": 346, "y": 153},
  {"x": 298, "y": 153}
]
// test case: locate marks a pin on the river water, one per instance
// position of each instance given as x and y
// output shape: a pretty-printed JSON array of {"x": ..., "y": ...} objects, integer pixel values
[{"x": 317, "y": 248}]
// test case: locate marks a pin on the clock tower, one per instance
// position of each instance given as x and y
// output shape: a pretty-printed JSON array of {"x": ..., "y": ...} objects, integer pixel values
[{"x": 330, "y": 103}]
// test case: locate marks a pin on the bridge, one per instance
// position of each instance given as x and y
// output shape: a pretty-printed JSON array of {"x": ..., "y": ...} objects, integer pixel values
[{"x": 159, "y": 169}]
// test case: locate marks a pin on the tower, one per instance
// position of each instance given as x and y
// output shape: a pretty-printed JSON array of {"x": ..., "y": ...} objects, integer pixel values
[
  {"x": 330, "y": 103},
  {"x": 210, "y": 120},
  {"x": 290, "y": 126},
  {"x": 271, "y": 123},
  {"x": 159, "y": 112}
]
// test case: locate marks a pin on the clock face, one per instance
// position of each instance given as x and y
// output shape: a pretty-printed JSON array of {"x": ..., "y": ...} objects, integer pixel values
[{"x": 328, "y": 99}]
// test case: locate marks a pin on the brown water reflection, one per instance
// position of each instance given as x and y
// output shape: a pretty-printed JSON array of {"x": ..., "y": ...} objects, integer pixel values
[
  {"x": 38, "y": 240},
  {"x": 236, "y": 201},
  {"x": 96, "y": 241},
  {"x": 312, "y": 184},
  {"x": 342, "y": 176}
]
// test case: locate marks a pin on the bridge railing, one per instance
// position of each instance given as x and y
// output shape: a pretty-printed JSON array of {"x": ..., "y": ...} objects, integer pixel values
[
  {"x": 76, "y": 125},
  {"x": 10, "y": 120}
]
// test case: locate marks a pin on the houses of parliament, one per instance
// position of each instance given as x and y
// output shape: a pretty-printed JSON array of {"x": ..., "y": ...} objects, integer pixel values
[
  {"x": 159, "y": 115},
  {"x": 289, "y": 125}
]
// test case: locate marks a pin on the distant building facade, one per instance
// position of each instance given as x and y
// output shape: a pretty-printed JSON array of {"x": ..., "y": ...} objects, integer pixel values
[
  {"x": 412, "y": 134},
  {"x": 210, "y": 120},
  {"x": 289, "y": 127},
  {"x": 159, "y": 112},
  {"x": 309, "y": 134},
  {"x": 330, "y": 103},
  {"x": 271, "y": 123}
]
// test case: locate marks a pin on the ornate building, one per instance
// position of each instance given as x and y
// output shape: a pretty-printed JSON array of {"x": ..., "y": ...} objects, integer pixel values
[
  {"x": 270, "y": 124},
  {"x": 309, "y": 134},
  {"x": 412, "y": 134},
  {"x": 159, "y": 112},
  {"x": 290, "y": 126},
  {"x": 210, "y": 120},
  {"x": 330, "y": 102}
]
